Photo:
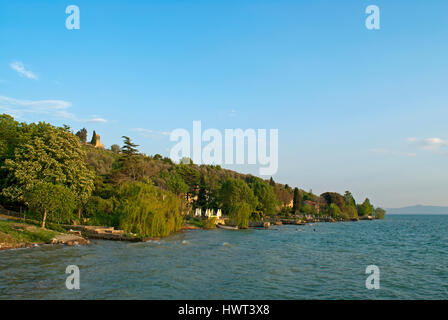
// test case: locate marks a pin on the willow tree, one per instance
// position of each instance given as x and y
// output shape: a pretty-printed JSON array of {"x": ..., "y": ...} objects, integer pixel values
[
  {"x": 147, "y": 210},
  {"x": 51, "y": 155}
]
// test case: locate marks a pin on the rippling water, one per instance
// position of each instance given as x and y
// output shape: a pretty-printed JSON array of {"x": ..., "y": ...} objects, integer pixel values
[{"x": 319, "y": 261}]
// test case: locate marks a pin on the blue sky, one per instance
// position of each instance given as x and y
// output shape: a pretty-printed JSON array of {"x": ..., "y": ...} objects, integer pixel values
[{"x": 357, "y": 109}]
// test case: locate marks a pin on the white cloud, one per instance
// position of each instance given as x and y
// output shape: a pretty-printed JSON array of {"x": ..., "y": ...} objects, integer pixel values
[
  {"x": 18, "y": 108},
  {"x": 150, "y": 133},
  {"x": 429, "y": 144},
  {"x": 20, "y": 68},
  {"x": 50, "y": 108},
  {"x": 142, "y": 130},
  {"x": 97, "y": 120},
  {"x": 388, "y": 152}
]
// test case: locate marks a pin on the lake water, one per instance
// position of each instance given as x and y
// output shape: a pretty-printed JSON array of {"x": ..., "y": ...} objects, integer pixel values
[{"x": 319, "y": 261}]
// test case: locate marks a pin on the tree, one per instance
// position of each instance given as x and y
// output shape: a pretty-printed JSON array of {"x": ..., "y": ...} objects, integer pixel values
[
  {"x": 94, "y": 138},
  {"x": 307, "y": 209},
  {"x": 147, "y": 210},
  {"x": 351, "y": 212},
  {"x": 365, "y": 209},
  {"x": 50, "y": 155},
  {"x": 202, "y": 201},
  {"x": 238, "y": 201},
  {"x": 115, "y": 148},
  {"x": 240, "y": 214},
  {"x": 267, "y": 202},
  {"x": 348, "y": 199},
  {"x": 283, "y": 195},
  {"x": 336, "y": 198},
  {"x": 350, "y": 205},
  {"x": 297, "y": 200},
  {"x": 334, "y": 211},
  {"x": 380, "y": 213},
  {"x": 10, "y": 133},
  {"x": 309, "y": 196},
  {"x": 54, "y": 202},
  {"x": 82, "y": 135},
  {"x": 190, "y": 174},
  {"x": 176, "y": 184},
  {"x": 129, "y": 148},
  {"x": 271, "y": 182}
]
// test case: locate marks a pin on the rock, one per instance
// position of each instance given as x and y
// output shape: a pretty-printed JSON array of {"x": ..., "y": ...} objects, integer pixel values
[
  {"x": 76, "y": 232},
  {"x": 69, "y": 239}
]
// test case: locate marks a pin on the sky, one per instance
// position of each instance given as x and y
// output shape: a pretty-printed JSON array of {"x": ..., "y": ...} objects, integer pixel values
[{"x": 356, "y": 109}]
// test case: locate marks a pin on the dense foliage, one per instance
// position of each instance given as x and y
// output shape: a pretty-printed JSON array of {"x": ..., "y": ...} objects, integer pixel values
[{"x": 149, "y": 195}]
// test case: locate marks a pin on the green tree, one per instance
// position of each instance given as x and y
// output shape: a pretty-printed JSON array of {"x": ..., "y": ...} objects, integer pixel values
[
  {"x": 307, "y": 209},
  {"x": 94, "y": 138},
  {"x": 336, "y": 198},
  {"x": 365, "y": 209},
  {"x": 350, "y": 209},
  {"x": 51, "y": 155},
  {"x": 267, "y": 202},
  {"x": 380, "y": 213},
  {"x": 202, "y": 201},
  {"x": 348, "y": 199},
  {"x": 240, "y": 214},
  {"x": 176, "y": 184},
  {"x": 100, "y": 211},
  {"x": 147, "y": 210},
  {"x": 351, "y": 212},
  {"x": 238, "y": 201},
  {"x": 55, "y": 202},
  {"x": 190, "y": 174},
  {"x": 10, "y": 136},
  {"x": 129, "y": 148},
  {"x": 334, "y": 211},
  {"x": 297, "y": 200}
]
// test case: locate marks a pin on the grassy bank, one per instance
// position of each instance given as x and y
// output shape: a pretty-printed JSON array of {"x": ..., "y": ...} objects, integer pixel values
[{"x": 14, "y": 234}]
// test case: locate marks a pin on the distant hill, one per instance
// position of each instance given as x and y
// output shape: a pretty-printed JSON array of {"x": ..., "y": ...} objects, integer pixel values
[{"x": 419, "y": 209}]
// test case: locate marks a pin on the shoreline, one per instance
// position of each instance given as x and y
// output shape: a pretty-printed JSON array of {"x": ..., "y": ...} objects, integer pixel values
[{"x": 81, "y": 235}]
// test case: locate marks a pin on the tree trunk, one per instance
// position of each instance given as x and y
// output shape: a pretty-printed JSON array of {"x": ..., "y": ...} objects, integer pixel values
[
  {"x": 79, "y": 216},
  {"x": 45, "y": 218}
]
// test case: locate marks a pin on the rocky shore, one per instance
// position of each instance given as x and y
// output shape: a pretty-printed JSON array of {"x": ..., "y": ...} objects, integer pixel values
[{"x": 16, "y": 234}]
